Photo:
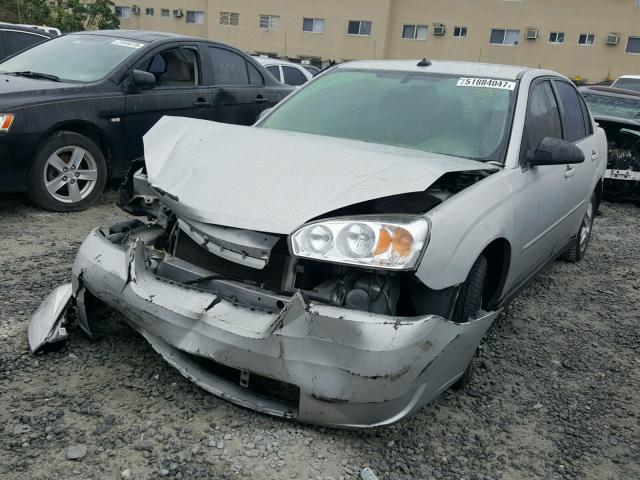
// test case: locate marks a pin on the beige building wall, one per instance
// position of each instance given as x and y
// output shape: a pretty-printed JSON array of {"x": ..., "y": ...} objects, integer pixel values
[{"x": 593, "y": 62}]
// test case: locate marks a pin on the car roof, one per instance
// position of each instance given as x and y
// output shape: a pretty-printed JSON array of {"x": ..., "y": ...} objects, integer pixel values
[
  {"x": 475, "y": 69},
  {"x": 24, "y": 28},
  {"x": 635, "y": 77},
  {"x": 140, "y": 35},
  {"x": 611, "y": 92},
  {"x": 274, "y": 61}
]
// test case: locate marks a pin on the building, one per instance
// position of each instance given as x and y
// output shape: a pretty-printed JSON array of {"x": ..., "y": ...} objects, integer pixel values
[{"x": 592, "y": 39}]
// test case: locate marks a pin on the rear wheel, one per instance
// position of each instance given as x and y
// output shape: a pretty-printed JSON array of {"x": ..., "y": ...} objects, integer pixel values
[
  {"x": 68, "y": 174},
  {"x": 468, "y": 306},
  {"x": 579, "y": 245}
]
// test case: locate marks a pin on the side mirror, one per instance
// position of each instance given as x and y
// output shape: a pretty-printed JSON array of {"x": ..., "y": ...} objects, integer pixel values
[
  {"x": 142, "y": 80},
  {"x": 553, "y": 151}
]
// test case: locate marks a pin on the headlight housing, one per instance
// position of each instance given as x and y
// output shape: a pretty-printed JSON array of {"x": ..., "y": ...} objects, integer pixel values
[
  {"x": 391, "y": 242},
  {"x": 6, "y": 119}
]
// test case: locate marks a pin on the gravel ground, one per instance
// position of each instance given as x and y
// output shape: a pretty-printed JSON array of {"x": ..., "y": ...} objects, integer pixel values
[{"x": 556, "y": 394}]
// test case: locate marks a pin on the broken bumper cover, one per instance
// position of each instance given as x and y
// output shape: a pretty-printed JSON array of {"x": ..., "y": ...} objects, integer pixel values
[{"x": 351, "y": 368}]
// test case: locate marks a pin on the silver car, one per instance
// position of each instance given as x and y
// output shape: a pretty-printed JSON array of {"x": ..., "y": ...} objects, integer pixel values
[{"x": 339, "y": 262}]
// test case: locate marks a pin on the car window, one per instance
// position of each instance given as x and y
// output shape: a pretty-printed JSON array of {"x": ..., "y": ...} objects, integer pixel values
[
  {"x": 610, "y": 106},
  {"x": 293, "y": 76},
  {"x": 628, "y": 84},
  {"x": 93, "y": 57},
  {"x": 229, "y": 68},
  {"x": 275, "y": 71},
  {"x": 437, "y": 113},
  {"x": 15, "y": 42},
  {"x": 543, "y": 117},
  {"x": 573, "y": 120},
  {"x": 255, "y": 77},
  {"x": 175, "y": 67}
]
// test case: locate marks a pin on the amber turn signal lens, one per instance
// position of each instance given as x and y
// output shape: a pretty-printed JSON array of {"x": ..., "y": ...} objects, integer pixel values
[
  {"x": 384, "y": 241},
  {"x": 401, "y": 242},
  {"x": 5, "y": 121}
]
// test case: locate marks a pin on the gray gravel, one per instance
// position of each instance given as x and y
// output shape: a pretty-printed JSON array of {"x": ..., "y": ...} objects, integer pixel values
[{"x": 556, "y": 394}]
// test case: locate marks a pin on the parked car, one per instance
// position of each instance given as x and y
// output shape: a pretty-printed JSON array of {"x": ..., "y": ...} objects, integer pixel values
[
  {"x": 289, "y": 73},
  {"x": 55, "y": 32},
  {"x": 75, "y": 108},
  {"x": 617, "y": 111},
  {"x": 350, "y": 284},
  {"x": 628, "y": 82},
  {"x": 15, "y": 38}
]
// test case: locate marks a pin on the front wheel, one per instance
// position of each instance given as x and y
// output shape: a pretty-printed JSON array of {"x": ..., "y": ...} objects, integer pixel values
[
  {"x": 68, "y": 173},
  {"x": 579, "y": 245}
]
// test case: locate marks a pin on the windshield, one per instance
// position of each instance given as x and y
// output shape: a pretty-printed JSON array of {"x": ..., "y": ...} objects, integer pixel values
[
  {"x": 608, "y": 106},
  {"x": 628, "y": 84},
  {"x": 429, "y": 112},
  {"x": 81, "y": 58}
]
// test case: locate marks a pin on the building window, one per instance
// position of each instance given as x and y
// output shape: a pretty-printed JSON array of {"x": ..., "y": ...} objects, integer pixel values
[
  {"x": 270, "y": 22},
  {"x": 229, "y": 18},
  {"x": 633, "y": 45},
  {"x": 459, "y": 31},
  {"x": 195, "y": 17},
  {"x": 359, "y": 27},
  {"x": 414, "y": 32},
  {"x": 556, "y": 37},
  {"x": 501, "y": 36},
  {"x": 149, "y": 11},
  {"x": 586, "y": 39},
  {"x": 165, "y": 12},
  {"x": 123, "y": 12},
  {"x": 313, "y": 25}
]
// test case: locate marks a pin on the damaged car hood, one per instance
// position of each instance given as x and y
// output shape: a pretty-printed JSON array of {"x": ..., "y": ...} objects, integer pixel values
[{"x": 274, "y": 181}]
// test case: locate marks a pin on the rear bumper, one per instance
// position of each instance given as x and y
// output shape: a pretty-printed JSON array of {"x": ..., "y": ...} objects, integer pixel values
[{"x": 351, "y": 368}]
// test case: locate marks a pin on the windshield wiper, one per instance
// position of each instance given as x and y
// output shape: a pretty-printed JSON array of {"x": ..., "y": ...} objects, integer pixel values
[{"x": 30, "y": 74}]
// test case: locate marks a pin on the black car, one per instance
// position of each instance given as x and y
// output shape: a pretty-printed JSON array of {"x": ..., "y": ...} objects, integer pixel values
[
  {"x": 15, "y": 38},
  {"x": 617, "y": 111},
  {"x": 73, "y": 110}
]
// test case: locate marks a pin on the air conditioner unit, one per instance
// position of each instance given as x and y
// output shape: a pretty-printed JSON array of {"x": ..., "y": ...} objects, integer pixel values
[
  {"x": 177, "y": 12},
  {"x": 612, "y": 39},
  {"x": 135, "y": 10},
  {"x": 532, "y": 34},
  {"x": 438, "y": 29}
]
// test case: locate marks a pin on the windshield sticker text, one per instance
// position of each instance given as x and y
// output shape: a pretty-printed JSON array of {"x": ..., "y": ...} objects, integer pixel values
[
  {"x": 486, "y": 83},
  {"x": 126, "y": 43}
]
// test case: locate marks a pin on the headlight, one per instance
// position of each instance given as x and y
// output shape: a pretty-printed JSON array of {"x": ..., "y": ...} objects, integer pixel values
[
  {"x": 392, "y": 242},
  {"x": 6, "y": 119}
]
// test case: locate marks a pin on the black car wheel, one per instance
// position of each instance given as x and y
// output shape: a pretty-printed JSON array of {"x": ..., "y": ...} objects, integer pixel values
[
  {"x": 468, "y": 306},
  {"x": 579, "y": 245},
  {"x": 68, "y": 174}
]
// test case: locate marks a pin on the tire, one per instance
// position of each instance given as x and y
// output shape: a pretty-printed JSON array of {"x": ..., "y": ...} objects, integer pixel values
[
  {"x": 68, "y": 173},
  {"x": 579, "y": 245},
  {"x": 468, "y": 305}
]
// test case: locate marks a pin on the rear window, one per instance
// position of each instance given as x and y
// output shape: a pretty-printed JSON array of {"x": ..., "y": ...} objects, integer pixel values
[{"x": 605, "y": 105}]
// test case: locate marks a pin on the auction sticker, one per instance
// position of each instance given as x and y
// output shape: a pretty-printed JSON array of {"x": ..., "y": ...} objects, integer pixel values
[
  {"x": 486, "y": 83},
  {"x": 126, "y": 43}
]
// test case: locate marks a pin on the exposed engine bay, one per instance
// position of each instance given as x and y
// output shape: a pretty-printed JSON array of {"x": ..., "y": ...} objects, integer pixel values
[{"x": 622, "y": 178}]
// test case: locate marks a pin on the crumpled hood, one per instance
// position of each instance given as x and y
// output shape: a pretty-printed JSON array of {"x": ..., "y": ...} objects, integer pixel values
[{"x": 274, "y": 181}]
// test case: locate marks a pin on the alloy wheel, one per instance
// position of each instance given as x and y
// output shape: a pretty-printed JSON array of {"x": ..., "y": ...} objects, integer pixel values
[{"x": 70, "y": 174}]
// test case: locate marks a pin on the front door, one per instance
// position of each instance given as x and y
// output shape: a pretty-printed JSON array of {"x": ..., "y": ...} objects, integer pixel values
[
  {"x": 178, "y": 92},
  {"x": 539, "y": 188}
]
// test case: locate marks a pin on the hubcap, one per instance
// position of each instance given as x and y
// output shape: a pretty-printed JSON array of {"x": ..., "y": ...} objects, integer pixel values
[
  {"x": 70, "y": 174},
  {"x": 587, "y": 223}
]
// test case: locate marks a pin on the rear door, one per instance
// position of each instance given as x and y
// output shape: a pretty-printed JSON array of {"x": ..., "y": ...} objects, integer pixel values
[
  {"x": 241, "y": 94},
  {"x": 179, "y": 92},
  {"x": 577, "y": 129}
]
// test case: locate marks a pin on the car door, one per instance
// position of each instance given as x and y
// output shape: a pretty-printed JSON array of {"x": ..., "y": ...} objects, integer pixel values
[
  {"x": 539, "y": 188},
  {"x": 241, "y": 93},
  {"x": 578, "y": 129},
  {"x": 179, "y": 92}
]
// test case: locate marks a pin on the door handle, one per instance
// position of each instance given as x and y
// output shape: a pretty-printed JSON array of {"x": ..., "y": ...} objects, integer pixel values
[
  {"x": 569, "y": 172},
  {"x": 261, "y": 99},
  {"x": 594, "y": 155},
  {"x": 201, "y": 102}
]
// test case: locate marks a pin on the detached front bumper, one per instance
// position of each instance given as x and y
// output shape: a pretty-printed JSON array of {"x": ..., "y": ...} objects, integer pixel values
[{"x": 339, "y": 367}]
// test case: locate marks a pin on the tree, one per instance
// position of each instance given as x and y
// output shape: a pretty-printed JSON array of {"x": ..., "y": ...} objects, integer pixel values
[{"x": 67, "y": 15}]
